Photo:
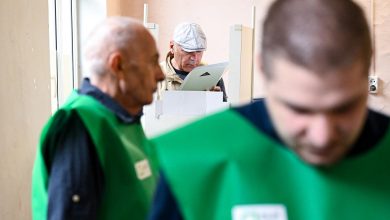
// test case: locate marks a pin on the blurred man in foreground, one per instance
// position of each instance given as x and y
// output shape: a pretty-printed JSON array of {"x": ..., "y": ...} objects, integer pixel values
[
  {"x": 311, "y": 150},
  {"x": 93, "y": 159}
]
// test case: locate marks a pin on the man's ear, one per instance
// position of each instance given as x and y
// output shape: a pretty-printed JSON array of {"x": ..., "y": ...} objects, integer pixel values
[
  {"x": 115, "y": 64},
  {"x": 259, "y": 64},
  {"x": 171, "y": 44}
]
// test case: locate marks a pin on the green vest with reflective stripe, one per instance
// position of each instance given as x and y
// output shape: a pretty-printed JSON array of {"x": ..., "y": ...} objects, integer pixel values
[
  {"x": 222, "y": 166},
  {"x": 123, "y": 151}
]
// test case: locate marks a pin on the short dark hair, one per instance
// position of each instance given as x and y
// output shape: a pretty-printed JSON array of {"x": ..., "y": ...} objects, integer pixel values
[{"x": 319, "y": 35}]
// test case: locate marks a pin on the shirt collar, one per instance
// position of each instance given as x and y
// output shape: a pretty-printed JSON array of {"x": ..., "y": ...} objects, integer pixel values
[
  {"x": 88, "y": 89},
  {"x": 182, "y": 74}
]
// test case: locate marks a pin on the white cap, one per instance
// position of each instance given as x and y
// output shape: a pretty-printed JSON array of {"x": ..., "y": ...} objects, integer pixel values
[{"x": 190, "y": 37}]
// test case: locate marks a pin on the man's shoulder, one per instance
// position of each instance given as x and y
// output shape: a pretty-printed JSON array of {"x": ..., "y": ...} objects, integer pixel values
[
  {"x": 86, "y": 104},
  {"x": 61, "y": 117},
  {"x": 377, "y": 115},
  {"x": 83, "y": 108},
  {"x": 167, "y": 69},
  {"x": 62, "y": 124},
  {"x": 377, "y": 122}
]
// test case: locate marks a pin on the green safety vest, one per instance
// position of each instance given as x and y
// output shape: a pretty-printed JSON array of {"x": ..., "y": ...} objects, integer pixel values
[
  {"x": 222, "y": 167},
  {"x": 122, "y": 149}
]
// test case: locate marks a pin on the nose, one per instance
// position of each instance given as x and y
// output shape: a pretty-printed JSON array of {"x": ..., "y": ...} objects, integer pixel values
[
  {"x": 322, "y": 131},
  {"x": 195, "y": 56},
  {"x": 159, "y": 74}
]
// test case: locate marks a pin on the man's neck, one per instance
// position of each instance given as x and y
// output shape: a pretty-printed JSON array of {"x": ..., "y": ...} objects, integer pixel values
[
  {"x": 174, "y": 64},
  {"x": 111, "y": 88},
  {"x": 178, "y": 71}
]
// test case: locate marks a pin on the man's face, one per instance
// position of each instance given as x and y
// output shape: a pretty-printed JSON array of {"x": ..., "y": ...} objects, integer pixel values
[
  {"x": 318, "y": 117},
  {"x": 142, "y": 74},
  {"x": 185, "y": 61}
]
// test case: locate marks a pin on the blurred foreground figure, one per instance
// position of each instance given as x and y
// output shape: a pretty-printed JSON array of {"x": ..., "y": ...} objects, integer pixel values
[
  {"x": 93, "y": 159},
  {"x": 310, "y": 150}
]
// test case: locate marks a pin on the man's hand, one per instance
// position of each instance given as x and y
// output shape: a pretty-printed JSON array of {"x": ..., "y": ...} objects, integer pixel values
[{"x": 215, "y": 89}]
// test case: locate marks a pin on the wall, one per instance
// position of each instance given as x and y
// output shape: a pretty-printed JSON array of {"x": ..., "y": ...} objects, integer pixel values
[
  {"x": 90, "y": 13},
  {"x": 24, "y": 99},
  {"x": 381, "y": 101},
  {"x": 217, "y": 16}
]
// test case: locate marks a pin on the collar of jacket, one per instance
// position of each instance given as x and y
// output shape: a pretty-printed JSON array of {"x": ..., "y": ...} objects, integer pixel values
[{"x": 170, "y": 73}]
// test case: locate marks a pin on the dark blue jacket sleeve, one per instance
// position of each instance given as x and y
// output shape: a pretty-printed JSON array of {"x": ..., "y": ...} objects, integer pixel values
[
  {"x": 164, "y": 204},
  {"x": 75, "y": 175},
  {"x": 221, "y": 84}
]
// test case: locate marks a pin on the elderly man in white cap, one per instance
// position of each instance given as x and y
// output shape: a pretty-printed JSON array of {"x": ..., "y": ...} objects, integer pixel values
[{"x": 185, "y": 53}]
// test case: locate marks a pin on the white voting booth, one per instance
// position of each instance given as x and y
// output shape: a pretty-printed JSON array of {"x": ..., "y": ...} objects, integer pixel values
[
  {"x": 190, "y": 103},
  {"x": 178, "y": 108}
]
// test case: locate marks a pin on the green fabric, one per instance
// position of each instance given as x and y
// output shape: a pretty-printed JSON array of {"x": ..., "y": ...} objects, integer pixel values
[
  {"x": 119, "y": 147},
  {"x": 223, "y": 161}
]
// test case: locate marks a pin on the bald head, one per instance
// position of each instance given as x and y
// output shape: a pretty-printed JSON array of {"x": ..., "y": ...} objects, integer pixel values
[
  {"x": 115, "y": 34},
  {"x": 319, "y": 35}
]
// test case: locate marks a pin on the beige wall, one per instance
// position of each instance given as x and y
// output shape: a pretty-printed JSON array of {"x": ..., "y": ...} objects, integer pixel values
[
  {"x": 381, "y": 101},
  {"x": 24, "y": 99},
  {"x": 217, "y": 16}
]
